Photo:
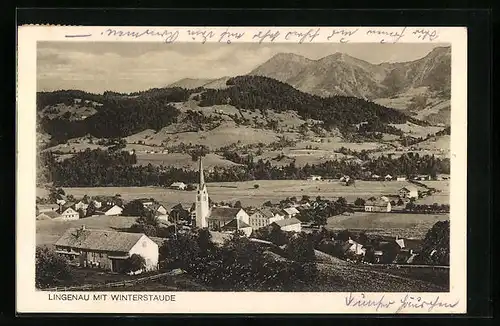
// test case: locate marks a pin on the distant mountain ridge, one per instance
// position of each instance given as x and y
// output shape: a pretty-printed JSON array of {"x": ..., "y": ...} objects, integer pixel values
[{"x": 342, "y": 74}]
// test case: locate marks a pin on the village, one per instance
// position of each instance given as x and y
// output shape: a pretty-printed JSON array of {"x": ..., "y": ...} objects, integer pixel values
[{"x": 112, "y": 251}]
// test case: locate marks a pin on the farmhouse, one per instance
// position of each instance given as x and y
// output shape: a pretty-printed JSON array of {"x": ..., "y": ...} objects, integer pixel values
[
  {"x": 106, "y": 249},
  {"x": 354, "y": 247},
  {"x": 388, "y": 177},
  {"x": 81, "y": 205},
  {"x": 381, "y": 204},
  {"x": 68, "y": 214},
  {"x": 263, "y": 217},
  {"x": 408, "y": 192},
  {"x": 110, "y": 210},
  {"x": 178, "y": 185},
  {"x": 48, "y": 215},
  {"x": 314, "y": 178},
  {"x": 289, "y": 224},
  {"x": 400, "y": 178},
  {"x": 220, "y": 216}
]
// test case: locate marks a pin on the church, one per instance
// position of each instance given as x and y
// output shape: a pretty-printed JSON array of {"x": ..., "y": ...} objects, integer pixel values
[{"x": 217, "y": 218}]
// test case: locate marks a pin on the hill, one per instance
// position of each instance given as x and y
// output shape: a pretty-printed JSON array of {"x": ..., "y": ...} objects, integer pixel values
[{"x": 263, "y": 93}]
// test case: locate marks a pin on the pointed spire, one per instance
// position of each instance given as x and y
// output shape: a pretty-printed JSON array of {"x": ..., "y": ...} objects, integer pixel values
[{"x": 202, "y": 178}]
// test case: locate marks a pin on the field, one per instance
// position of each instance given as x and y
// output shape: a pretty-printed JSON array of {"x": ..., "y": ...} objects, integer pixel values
[
  {"x": 442, "y": 197},
  {"x": 48, "y": 231},
  {"x": 183, "y": 161},
  {"x": 391, "y": 224},
  {"x": 273, "y": 190}
]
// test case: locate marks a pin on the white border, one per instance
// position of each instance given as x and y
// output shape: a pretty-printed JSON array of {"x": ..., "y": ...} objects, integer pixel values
[{"x": 28, "y": 300}]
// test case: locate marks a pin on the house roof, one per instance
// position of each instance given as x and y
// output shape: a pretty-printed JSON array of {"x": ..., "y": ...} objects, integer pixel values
[
  {"x": 224, "y": 213},
  {"x": 51, "y": 214},
  {"x": 145, "y": 200},
  {"x": 47, "y": 206},
  {"x": 158, "y": 241},
  {"x": 106, "y": 208},
  {"x": 176, "y": 184},
  {"x": 287, "y": 221},
  {"x": 103, "y": 240},
  {"x": 291, "y": 210},
  {"x": 234, "y": 223},
  {"x": 64, "y": 209},
  {"x": 409, "y": 188}
]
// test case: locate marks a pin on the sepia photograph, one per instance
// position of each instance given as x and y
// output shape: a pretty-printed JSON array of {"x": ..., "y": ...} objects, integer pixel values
[
  {"x": 229, "y": 165},
  {"x": 207, "y": 167}
]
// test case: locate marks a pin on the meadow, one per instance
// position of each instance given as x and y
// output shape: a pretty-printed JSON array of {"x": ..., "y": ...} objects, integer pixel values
[{"x": 273, "y": 190}]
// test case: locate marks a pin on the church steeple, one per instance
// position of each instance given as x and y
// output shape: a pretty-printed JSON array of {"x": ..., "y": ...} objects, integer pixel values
[
  {"x": 202, "y": 177},
  {"x": 202, "y": 206}
]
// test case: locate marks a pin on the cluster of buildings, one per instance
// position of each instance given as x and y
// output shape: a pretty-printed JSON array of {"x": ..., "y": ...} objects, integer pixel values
[
  {"x": 68, "y": 211},
  {"x": 386, "y": 251},
  {"x": 110, "y": 249}
]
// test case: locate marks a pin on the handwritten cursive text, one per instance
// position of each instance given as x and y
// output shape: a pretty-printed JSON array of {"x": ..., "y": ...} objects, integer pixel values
[
  {"x": 362, "y": 301},
  {"x": 168, "y": 36}
]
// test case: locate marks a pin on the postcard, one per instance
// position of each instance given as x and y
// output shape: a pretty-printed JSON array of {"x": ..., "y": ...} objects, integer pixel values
[{"x": 241, "y": 170}]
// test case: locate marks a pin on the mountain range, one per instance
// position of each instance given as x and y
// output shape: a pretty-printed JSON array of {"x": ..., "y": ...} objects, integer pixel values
[{"x": 419, "y": 85}]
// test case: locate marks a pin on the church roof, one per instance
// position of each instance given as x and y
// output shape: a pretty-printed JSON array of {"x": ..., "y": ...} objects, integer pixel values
[{"x": 224, "y": 213}]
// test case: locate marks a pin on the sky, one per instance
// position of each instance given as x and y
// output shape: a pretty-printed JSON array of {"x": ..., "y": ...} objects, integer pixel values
[{"x": 128, "y": 67}]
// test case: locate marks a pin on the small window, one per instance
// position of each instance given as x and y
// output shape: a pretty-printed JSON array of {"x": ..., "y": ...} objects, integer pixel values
[{"x": 144, "y": 244}]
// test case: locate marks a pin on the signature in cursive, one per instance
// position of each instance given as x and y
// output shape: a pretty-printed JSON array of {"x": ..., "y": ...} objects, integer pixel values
[
  {"x": 417, "y": 302},
  {"x": 362, "y": 301}
]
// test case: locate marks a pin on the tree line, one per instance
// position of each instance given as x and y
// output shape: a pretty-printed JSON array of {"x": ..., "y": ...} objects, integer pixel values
[{"x": 94, "y": 168}]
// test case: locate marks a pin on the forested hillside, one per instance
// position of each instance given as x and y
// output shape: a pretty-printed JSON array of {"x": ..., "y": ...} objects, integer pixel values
[
  {"x": 118, "y": 115},
  {"x": 263, "y": 93}
]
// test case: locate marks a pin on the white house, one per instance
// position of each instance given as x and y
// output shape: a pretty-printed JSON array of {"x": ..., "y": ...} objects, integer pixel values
[
  {"x": 381, "y": 204},
  {"x": 314, "y": 178},
  {"x": 288, "y": 224},
  {"x": 388, "y": 177},
  {"x": 408, "y": 192},
  {"x": 69, "y": 214},
  {"x": 355, "y": 247},
  {"x": 264, "y": 217},
  {"x": 110, "y": 210},
  {"x": 400, "y": 178},
  {"x": 178, "y": 185},
  {"x": 106, "y": 249},
  {"x": 81, "y": 205}
]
